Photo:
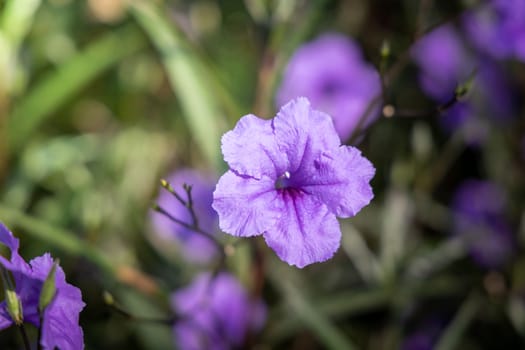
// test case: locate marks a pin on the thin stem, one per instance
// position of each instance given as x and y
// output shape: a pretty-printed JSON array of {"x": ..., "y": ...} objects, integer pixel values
[
  {"x": 39, "y": 345},
  {"x": 390, "y": 75},
  {"x": 424, "y": 8},
  {"x": 460, "y": 324},
  {"x": 189, "y": 205},
  {"x": 406, "y": 113},
  {"x": 193, "y": 228},
  {"x": 22, "y": 329},
  {"x": 121, "y": 311},
  {"x": 427, "y": 181},
  {"x": 167, "y": 186}
]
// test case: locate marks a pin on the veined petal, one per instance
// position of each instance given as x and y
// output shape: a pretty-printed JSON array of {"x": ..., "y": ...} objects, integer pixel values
[
  {"x": 246, "y": 206},
  {"x": 302, "y": 133},
  {"x": 308, "y": 232},
  {"x": 340, "y": 180},
  {"x": 250, "y": 148}
]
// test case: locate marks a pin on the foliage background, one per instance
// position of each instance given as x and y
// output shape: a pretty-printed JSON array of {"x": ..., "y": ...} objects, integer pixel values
[{"x": 99, "y": 99}]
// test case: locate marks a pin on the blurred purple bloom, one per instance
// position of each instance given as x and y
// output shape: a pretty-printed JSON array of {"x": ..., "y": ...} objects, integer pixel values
[
  {"x": 498, "y": 28},
  {"x": 289, "y": 178},
  {"x": 443, "y": 61},
  {"x": 60, "y": 328},
  {"x": 444, "y": 64},
  {"x": 195, "y": 248},
  {"x": 424, "y": 338},
  {"x": 215, "y": 313},
  {"x": 331, "y": 72},
  {"x": 479, "y": 208}
]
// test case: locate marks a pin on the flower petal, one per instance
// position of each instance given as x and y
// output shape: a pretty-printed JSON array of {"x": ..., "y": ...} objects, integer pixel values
[
  {"x": 60, "y": 328},
  {"x": 246, "y": 206},
  {"x": 5, "y": 319},
  {"x": 250, "y": 148},
  {"x": 308, "y": 232},
  {"x": 302, "y": 133},
  {"x": 217, "y": 313},
  {"x": 16, "y": 262},
  {"x": 340, "y": 180}
]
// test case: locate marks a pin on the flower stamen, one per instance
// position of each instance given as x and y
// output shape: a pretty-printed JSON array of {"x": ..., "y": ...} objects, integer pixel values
[{"x": 283, "y": 181}]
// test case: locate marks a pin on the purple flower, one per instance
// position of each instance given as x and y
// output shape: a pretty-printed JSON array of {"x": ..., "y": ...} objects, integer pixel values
[
  {"x": 289, "y": 178},
  {"x": 195, "y": 248},
  {"x": 215, "y": 313},
  {"x": 443, "y": 61},
  {"x": 444, "y": 64},
  {"x": 331, "y": 72},
  {"x": 60, "y": 328},
  {"x": 498, "y": 28},
  {"x": 479, "y": 208}
]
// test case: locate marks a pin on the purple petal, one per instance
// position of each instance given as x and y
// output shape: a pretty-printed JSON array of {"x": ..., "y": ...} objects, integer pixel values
[
  {"x": 308, "y": 232},
  {"x": 60, "y": 328},
  {"x": 5, "y": 319},
  {"x": 443, "y": 60},
  {"x": 340, "y": 180},
  {"x": 16, "y": 262},
  {"x": 26, "y": 286},
  {"x": 246, "y": 206},
  {"x": 250, "y": 148},
  {"x": 302, "y": 133},
  {"x": 217, "y": 313},
  {"x": 7, "y": 238}
]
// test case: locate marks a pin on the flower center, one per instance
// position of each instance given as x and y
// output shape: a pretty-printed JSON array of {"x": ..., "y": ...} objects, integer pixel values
[{"x": 283, "y": 181}]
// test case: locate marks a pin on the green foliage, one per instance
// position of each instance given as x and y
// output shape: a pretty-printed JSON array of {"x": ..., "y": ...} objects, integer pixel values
[{"x": 99, "y": 100}]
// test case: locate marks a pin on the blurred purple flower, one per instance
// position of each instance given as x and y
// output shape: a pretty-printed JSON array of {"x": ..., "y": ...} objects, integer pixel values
[
  {"x": 289, "y": 178},
  {"x": 479, "y": 208},
  {"x": 497, "y": 28},
  {"x": 445, "y": 63},
  {"x": 424, "y": 338},
  {"x": 194, "y": 247},
  {"x": 60, "y": 328},
  {"x": 331, "y": 72},
  {"x": 215, "y": 313}
]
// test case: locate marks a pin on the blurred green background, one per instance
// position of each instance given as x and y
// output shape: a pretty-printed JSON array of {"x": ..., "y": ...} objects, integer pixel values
[{"x": 99, "y": 99}]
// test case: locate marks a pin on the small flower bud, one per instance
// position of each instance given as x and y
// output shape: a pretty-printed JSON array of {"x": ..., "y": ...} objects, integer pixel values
[
  {"x": 385, "y": 49},
  {"x": 108, "y": 298},
  {"x": 14, "y": 307},
  {"x": 49, "y": 289}
]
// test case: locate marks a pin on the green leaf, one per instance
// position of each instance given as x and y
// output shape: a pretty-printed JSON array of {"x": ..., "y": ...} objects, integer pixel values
[
  {"x": 455, "y": 330},
  {"x": 187, "y": 79},
  {"x": 59, "y": 86},
  {"x": 17, "y": 18},
  {"x": 328, "y": 334},
  {"x": 57, "y": 237}
]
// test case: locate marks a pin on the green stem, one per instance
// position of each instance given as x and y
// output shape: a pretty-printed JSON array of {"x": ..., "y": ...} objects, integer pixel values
[
  {"x": 22, "y": 329},
  {"x": 307, "y": 312},
  {"x": 455, "y": 330}
]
